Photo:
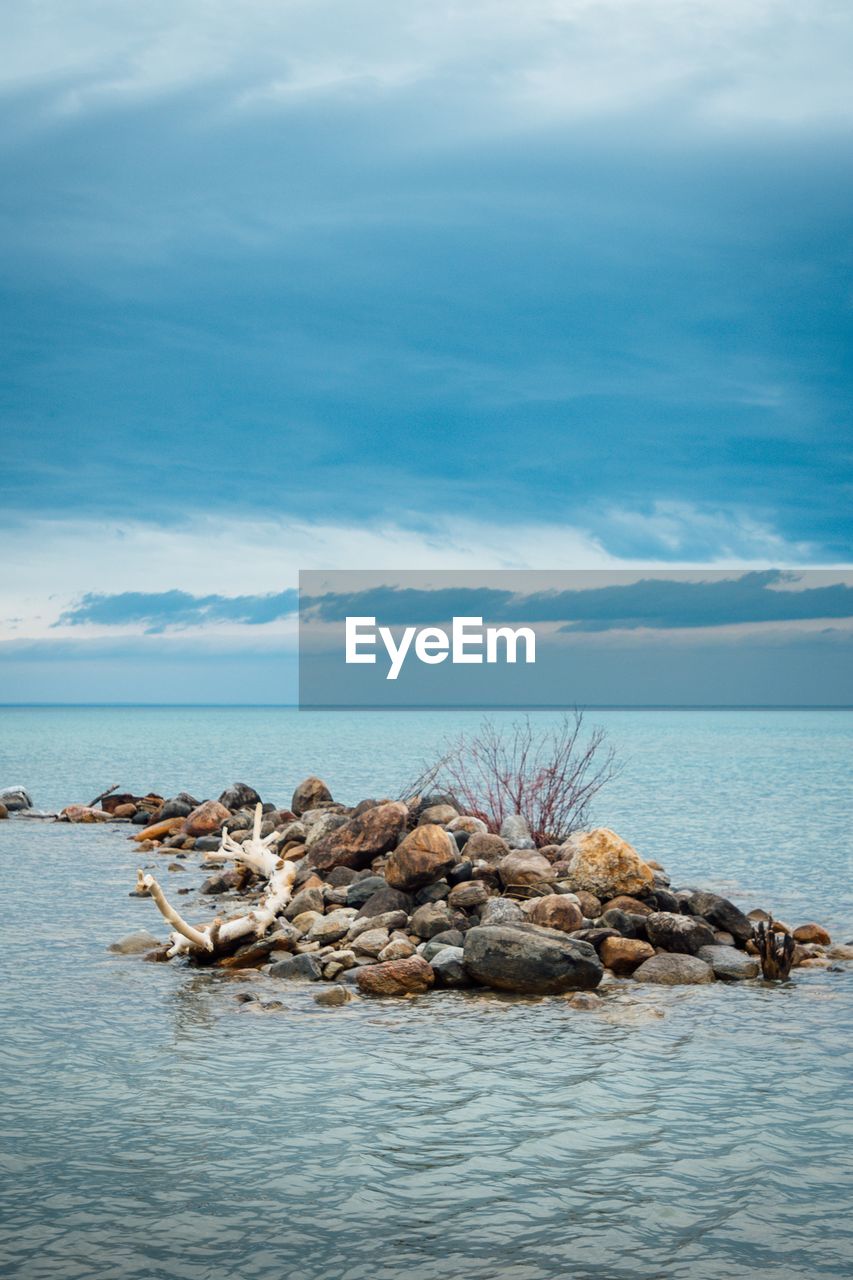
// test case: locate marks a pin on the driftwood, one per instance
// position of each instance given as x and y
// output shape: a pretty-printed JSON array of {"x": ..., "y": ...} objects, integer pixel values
[
  {"x": 97, "y": 800},
  {"x": 775, "y": 951},
  {"x": 220, "y": 937}
]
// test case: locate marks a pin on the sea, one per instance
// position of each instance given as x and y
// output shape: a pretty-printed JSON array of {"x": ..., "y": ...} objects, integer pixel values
[{"x": 154, "y": 1126}]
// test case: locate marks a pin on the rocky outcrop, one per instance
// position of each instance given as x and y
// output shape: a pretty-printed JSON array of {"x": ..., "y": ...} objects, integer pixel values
[{"x": 530, "y": 960}]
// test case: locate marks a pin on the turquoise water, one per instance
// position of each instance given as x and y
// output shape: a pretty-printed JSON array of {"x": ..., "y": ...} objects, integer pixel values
[{"x": 154, "y": 1127}]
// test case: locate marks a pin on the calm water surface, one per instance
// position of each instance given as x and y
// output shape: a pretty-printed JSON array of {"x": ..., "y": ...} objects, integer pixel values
[{"x": 153, "y": 1127}]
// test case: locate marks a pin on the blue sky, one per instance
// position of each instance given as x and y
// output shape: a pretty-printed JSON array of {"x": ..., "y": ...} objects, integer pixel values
[{"x": 290, "y": 285}]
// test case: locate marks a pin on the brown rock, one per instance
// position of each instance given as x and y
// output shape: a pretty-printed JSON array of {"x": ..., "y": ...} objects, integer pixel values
[
  {"x": 812, "y": 933},
  {"x": 590, "y": 905},
  {"x": 485, "y": 847},
  {"x": 604, "y": 864},
  {"x": 468, "y": 895},
  {"x": 556, "y": 911},
  {"x": 206, "y": 819},
  {"x": 124, "y": 811},
  {"x": 160, "y": 830},
  {"x": 439, "y": 814},
  {"x": 623, "y": 955},
  {"x": 409, "y": 976},
  {"x": 310, "y": 793},
  {"x": 361, "y": 839},
  {"x": 426, "y": 854},
  {"x": 623, "y": 902},
  {"x": 84, "y": 813},
  {"x": 4, "y": 812},
  {"x": 523, "y": 866},
  {"x": 467, "y": 822}
]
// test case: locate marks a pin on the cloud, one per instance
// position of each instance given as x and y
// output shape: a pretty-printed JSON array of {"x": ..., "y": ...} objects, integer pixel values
[{"x": 168, "y": 609}]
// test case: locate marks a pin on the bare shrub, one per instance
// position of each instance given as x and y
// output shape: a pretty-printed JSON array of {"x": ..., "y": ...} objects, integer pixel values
[{"x": 548, "y": 775}]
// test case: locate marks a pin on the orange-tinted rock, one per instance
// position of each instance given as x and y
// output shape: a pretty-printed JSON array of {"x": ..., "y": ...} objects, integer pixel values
[
  {"x": 590, "y": 905},
  {"x": 625, "y": 903},
  {"x": 624, "y": 955},
  {"x": 556, "y": 911},
  {"x": 523, "y": 867},
  {"x": 426, "y": 854},
  {"x": 812, "y": 933},
  {"x": 310, "y": 793},
  {"x": 361, "y": 839},
  {"x": 206, "y": 819},
  {"x": 601, "y": 862},
  {"x": 410, "y": 976},
  {"x": 84, "y": 813},
  {"x": 485, "y": 847},
  {"x": 159, "y": 830},
  {"x": 124, "y": 811}
]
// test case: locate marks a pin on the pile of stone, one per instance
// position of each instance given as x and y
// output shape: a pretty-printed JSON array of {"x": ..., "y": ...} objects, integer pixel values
[{"x": 399, "y": 897}]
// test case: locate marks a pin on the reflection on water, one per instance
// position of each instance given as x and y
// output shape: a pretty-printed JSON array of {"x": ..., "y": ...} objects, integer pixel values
[{"x": 154, "y": 1126}]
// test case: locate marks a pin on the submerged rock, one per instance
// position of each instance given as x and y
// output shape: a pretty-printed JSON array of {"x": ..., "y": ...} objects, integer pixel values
[
  {"x": 530, "y": 960},
  {"x": 304, "y": 968},
  {"x": 333, "y": 997},
  {"x": 134, "y": 944}
]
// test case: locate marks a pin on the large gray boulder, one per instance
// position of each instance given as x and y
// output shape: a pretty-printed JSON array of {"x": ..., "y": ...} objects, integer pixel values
[
  {"x": 721, "y": 913},
  {"x": 683, "y": 934},
  {"x": 674, "y": 970},
  {"x": 730, "y": 964},
  {"x": 14, "y": 798},
  {"x": 530, "y": 960},
  {"x": 449, "y": 968},
  {"x": 516, "y": 833},
  {"x": 239, "y": 796}
]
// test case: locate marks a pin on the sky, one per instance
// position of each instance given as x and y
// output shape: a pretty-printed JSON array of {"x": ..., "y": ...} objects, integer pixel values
[{"x": 321, "y": 285}]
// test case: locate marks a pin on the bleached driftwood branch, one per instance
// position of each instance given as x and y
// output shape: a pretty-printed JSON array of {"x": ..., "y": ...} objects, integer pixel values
[{"x": 221, "y": 935}]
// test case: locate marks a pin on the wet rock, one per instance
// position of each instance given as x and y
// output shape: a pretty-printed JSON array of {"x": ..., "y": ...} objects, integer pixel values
[
  {"x": 674, "y": 970},
  {"x": 360, "y": 839},
  {"x": 523, "y": 867},
  {"x": 530, "y": 960},
  {"x": 623, "y": 955},
  {"x": 601, "y": 862},
  {"x": 721, "y": 913},
  {"x": 683, "y": 934},
  {"x": 812, "y": 933},
  {"x": 206, "y": 819},
  {"x": 663, "y": 900},
  {"x": 439, "y": 814},
  {"x": 625, "y": 903},
  {"x": 4, "y": 812},
  {"x": 502, "y": 911},
  {"x": 411, "y": 976},
  {"x": 304, "y": 968},
  {"x": 331, "y": 927},
  {"x": 425, "y": 855},
  {"x": 430, "y": 919},
  {"x": 14, "y": 799},
  {"x": 485, "y": 847},
  {"x": 515, "y": 832},
  {"x": 556, "y": 911},
  {"x": 134, "y": 944},
  {"x": 468, "y": 895},
  {"x": 586, "y": 1000},
  {"x": 310, "y": 793},
  {"x": 841, "y": 951},
  {"x": 305, "y": 900},
  {"x": 333, "y": 997},
  {"x": 448, "y": 938},
  {"x": 383, "y": 901},
  {"x": 729, "y": 963},
  {"x": 449, "y": 968}
]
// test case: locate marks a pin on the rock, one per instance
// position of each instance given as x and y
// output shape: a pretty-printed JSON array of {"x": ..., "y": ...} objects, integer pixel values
[
  {"x": 584, "y": 1000},
  {"x": 625, "y": 903},
  {"x": 812, "y": 933},
  {"x": 602, "y": 863},
  {"x": 306, "y": 900},
  {"x": 530, "y": 960},
  {"x": 484, "y": 847},
  {"x": 171, "y": 809},
  {"x": 4, "y": 812},
  {"x": 439, "y": 814},
  {"x": 596, "y": 936},
  {"x": 435, "y": 892},
  {"x": 502, "y": 911},
  {"x": 333, "y": 997},
  {"x": 310, "y": 793},
  {"x": 516, "y": 833},
  {"x": 729, "y": 963},
  {"x": 361, "y": 839},
  {"x": 359, "y": 891},
  {"x": 331, "y": 927},
  {"x": 841, "y": 951},
  {"x": 589, "y": 904},
  {"x": 556, "y": 911},
  {"x": 343, "y": 876},
  {"x": 663, "y": 900},
  {"x": 207, "y": 818},
  {"x": 388, "y": 920},
  {"x": 674, "y": 970},
  {"x": 449, "y": 968},
  {"x": 305, "y": 968},
  {"x": 239, "y": 796},
  {"x": 383, "y": 901},
  {"x": 461, "y": 872},
  {"x": 721, "y": 913},
  {"x": 449, "y": 938},
  {"x": 323, "y": 823},
  {"x": 371, "y": 942},
  {"x": 134, "y": 944},
  {"x": 683, "y": 934},
  {"x": 306, "y": 920},
  {"x": 623, "y": 955},
  {"x": 468, "y": 895},
  {"x": 123, "y": 811},
  {"x": 467, "y": 822},
  {"x": 15, "y": 798},
  {"x": 397, "y": 949},
  {"x": 410, "y": 976},
  {"x": 629, "y": 926},
  {"x": 225, "y": 881},
  {"x": 422, "y": 857},
  {"x": 85, "y": 813},
  {"x": 430, "y": 919},
  {"x": 207, "y": 844},
  {"x": 335, "y": 897},
  {"x": 521, "y": 867}
]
